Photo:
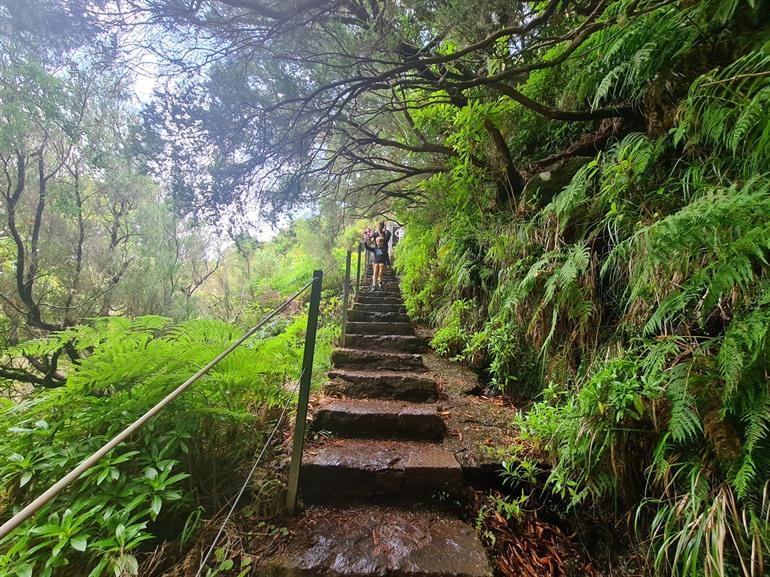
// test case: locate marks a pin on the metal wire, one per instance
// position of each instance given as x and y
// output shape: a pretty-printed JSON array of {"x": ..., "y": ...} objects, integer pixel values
[
  {"x": 78, "y": 471},
  {"x": 246, "y": 481}
]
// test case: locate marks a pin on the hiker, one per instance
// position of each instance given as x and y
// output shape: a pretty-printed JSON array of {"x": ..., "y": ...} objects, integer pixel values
[
  {"x": 379, "y": 260},
  {"x": 384, "y": 233}
]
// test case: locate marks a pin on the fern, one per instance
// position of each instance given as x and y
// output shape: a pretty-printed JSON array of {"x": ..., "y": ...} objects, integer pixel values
[
  {"x": 684, "y": 424},
  {"x": 729, "y": 108},
  {"x": 711, "y": 248}
]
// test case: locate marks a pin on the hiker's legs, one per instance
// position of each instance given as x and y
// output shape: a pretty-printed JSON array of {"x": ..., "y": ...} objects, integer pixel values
[{"x": 378, "y": 273}]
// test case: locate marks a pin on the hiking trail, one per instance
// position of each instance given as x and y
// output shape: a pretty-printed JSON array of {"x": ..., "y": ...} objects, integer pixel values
[{"x": 379, "y": 492}]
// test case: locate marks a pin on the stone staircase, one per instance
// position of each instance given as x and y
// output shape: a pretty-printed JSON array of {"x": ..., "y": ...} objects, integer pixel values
[{"x": 378, "y": 492}]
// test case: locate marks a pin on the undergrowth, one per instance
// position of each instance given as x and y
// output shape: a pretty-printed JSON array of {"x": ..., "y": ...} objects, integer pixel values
[
  {"x": 161, "y": 482},
  {"x": 632, "y": 304}
]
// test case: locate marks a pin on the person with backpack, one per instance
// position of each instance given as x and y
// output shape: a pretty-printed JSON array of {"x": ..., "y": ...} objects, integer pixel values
[
  {"x": 385, "y": 234},
  {"x": 380, "y": 258}
]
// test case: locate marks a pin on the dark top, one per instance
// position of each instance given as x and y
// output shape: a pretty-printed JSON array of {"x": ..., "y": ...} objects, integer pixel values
[
  {"x": 385, "y": 234},
  {"x": 379, "y": 255}
]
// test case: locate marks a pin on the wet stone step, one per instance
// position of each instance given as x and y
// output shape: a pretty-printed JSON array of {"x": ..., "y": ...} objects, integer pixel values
[
  {"x": 375, "y": 299},
  {"x": 399, "y": 343},
  {"x": 379, "y": 292},
  {"x": 380, "y": 328},
  {"x": 391, "y": 284},
  {"x": 377, "y": 419},
  {"x": 374, "y": 384},
  {"x": 356, "y": 315},
  {"x": 375, "y": 542},
  {"x": 379, "y": 308},
  {"x": 374, "y": 360},
  {"x": 348, "y": 471}
]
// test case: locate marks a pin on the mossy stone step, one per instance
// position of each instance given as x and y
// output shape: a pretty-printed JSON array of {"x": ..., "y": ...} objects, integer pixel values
[
  {"x": 379, "y": 384},
  {"x": 379, "y": 292},
  {"x": 357, "y": 315},
  {"x": 379, "y": 419},
  {"x": 379, "y": 308},
  {"x": 374, "y": 299},
  {"x": 380, "y": 328},
  {"x": 377, "y": 542},
  {"x": 399, "y": 343},
  {"x": 343, "y": 358},
  {"x": 347, "y": 471}
]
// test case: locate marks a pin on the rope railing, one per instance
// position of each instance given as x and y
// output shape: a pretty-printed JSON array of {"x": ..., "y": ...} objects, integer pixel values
[{"x": 304, "y": 387}]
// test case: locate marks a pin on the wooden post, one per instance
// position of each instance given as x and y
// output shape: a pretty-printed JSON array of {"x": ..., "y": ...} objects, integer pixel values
[
  {"x": 345, "y": 299},
  {"x": 304, "y": 394}
]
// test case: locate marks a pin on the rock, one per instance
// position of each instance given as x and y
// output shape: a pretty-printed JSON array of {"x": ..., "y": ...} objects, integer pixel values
[
  {"x": 378, "y": 419},
  {"x": 357, "y": 315},
  {"x": 380, "y": 308},
  {"x": 380, "y": 328},
  {"x": 400, "y": 343},
  {"x": 400, "y": 385},
  {"x": 374, "y": 360},
  {"x": 366, "y": 471},
  {"x": 378, "y": 542},
  {"x": 373, "y": 298}
]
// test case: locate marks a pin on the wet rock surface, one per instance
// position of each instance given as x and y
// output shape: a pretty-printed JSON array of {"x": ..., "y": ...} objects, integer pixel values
[
  {"x": 372, "y": 360},
  {"x": 375, "y": 471},
  {"x": 375, "y": 299},
  {"x": 380, "y": 328},
  {"x": 380, "y": 384},
  {"x": 375, "y": 541},
  {"x": 389, "y": 446},
  {"x": 380, "y": 308},
  {"x": 401, "y": 343},
  {"x": 379, "y": 419},
  {"x": 374, "y": 316}
]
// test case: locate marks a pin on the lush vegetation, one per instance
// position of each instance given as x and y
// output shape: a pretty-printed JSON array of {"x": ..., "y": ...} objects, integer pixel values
[
  {"x": 112, "y": 296},
  {"x": 586, "y": 194},
  {"x": 163, "y": 481},
  {"x": 626, "y": 291}
]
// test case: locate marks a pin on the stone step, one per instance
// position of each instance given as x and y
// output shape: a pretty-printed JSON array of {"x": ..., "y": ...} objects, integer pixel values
[
  {"x": 380, "y": 328},
  {"x": 398, "y": 343},
  {"x": 375, "y": 542},
  {"x": 355, "y": 315},
  {"x": 379, "y": 292},
  {"x": 347, "y": 471},
  {"x": 399, "y": 385},
  {"x": 373, "y": 360},
  {"x": 373, "y": 298},
  {"x": 378, "y": 419},
  {"x": 379, "y": 308}
]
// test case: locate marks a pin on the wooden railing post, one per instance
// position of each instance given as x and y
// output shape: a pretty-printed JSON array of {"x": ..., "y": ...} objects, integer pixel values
[
  {"x": 304, "y": 393},
  {"x": 358, "y": 272},
  {"x": 345, "y": 299}
]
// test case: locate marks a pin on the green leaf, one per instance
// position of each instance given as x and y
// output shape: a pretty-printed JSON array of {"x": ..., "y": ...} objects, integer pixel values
[
  {"x": 157, "y": 503},
  {"x": 25, "y": 478},
  {"x": 130, "y": 565},
  {"x": 24, "y": 570},
  {"x": 79, "y": 543}
]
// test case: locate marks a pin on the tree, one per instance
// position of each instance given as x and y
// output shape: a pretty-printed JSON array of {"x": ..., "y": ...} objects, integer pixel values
[{"x": 317, "y": 98}]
